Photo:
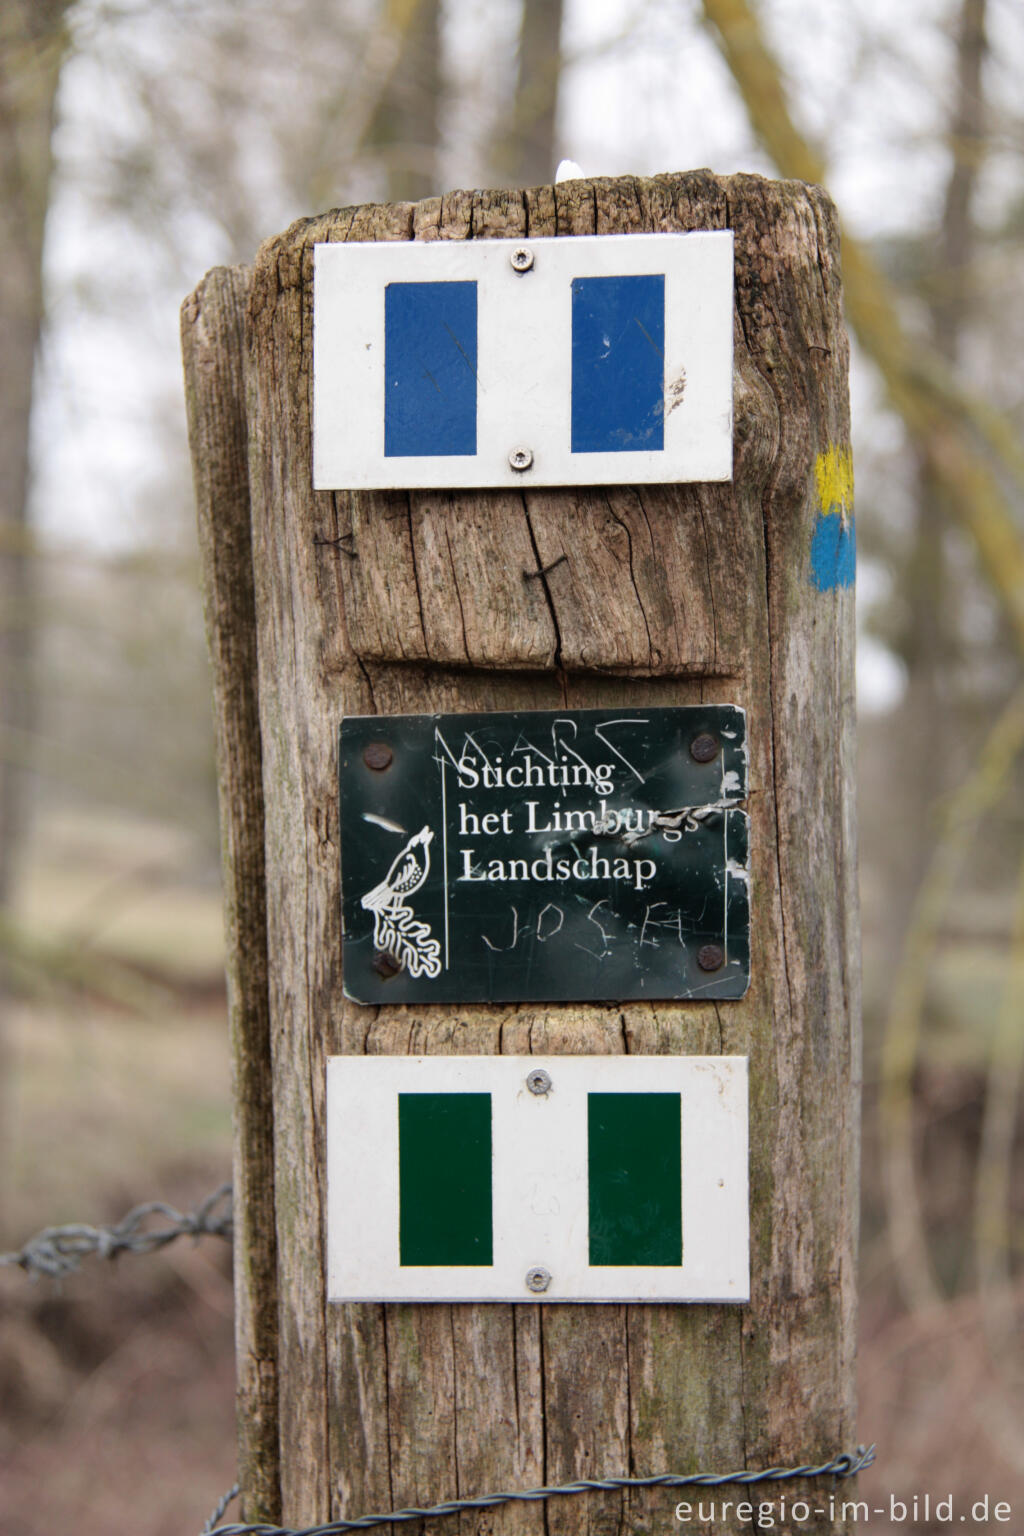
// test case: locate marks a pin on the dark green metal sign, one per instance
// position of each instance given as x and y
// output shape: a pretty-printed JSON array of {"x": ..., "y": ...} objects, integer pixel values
[{"x": 583, "y": 855}]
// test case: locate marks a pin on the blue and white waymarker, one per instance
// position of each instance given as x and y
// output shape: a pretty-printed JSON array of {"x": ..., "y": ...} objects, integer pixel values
[
  {"x": 600, "y": 359},
  {"x": 516, "y": 1178}
]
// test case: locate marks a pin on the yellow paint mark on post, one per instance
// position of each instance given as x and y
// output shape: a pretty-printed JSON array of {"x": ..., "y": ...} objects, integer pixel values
[{"x": 833, "y": 479}]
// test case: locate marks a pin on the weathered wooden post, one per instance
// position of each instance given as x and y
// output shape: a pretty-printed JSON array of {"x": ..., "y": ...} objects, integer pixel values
[{"x": 698, "y": 611}]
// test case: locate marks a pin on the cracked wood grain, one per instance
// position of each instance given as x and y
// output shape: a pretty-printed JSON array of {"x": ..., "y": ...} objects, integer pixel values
[
  {"x": 663, "y": 595},
  {"x": 212, "y": 334}
]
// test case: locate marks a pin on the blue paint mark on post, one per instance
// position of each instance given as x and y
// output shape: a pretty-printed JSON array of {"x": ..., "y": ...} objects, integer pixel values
[
  {"x": 430, "y": 369},
  {"x": 618, "y": 364},
  {"x": 833, "y": 552}
]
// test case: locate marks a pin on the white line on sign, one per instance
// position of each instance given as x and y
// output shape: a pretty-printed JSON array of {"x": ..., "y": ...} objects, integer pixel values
[{"x": 444, "y": 859}]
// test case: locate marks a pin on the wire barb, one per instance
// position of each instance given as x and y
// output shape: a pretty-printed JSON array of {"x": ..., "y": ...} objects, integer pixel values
[
  {"x": 545, "y": 570},
  {"x": 228, "y": 1499},
  {"x": 847, "y": 1464},
  {"x": 58, "y": 1251}
]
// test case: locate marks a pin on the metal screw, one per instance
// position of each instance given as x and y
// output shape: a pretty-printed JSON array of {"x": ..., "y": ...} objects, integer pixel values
[
  {"x": 521, "y": 458},
  {"x": 521, "y": 259},
  {"x": 538, "y": 1081},
  {"x": 386, "y": 965},
  {"x": 703, "y": 747},
  {"x": 378, "y": 756},
  {"x": 711, "y": 957},
  {"x": 538, "y": 1279}
]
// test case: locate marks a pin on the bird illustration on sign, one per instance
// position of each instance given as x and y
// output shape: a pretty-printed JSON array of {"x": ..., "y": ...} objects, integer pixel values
[{"x": 396, "y": 929}]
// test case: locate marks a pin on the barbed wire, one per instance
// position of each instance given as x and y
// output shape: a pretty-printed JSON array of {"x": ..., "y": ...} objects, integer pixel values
[
  {"x": 58, "y": 1251},
  {"x": 228, "y": 1499},
  {"x": 848, "y": 1464}
]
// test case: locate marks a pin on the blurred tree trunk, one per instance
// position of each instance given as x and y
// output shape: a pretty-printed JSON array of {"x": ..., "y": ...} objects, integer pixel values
[
  {"x": 923, "y": 767},
  {"x": 524, "y": 152},
  {"x": 33, "y": 42},
  {"x": 951, "y": 301},
  {"x": 930, "y": 642},
  {"x": 405, "y": 128}
]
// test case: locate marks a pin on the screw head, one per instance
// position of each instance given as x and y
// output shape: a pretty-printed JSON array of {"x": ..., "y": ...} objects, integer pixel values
[
  {"x": 711, "y": 957},
  {"x": 521, "y": 259},
  {"x": 538, "y": 1081},
  {"x": 704, "y": 748},
  {"x": 520, "y": 459},
  {"x": 386, "y": 964},
  {"x": 378, "y": 756},
  {"x": 538, "y": 1279}
]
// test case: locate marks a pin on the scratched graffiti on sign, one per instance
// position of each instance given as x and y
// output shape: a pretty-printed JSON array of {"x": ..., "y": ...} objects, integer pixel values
[{"x": 583, "y": 854}]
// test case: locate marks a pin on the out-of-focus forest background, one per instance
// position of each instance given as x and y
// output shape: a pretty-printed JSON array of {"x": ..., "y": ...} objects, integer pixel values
[{"x": 142, "y": 143}]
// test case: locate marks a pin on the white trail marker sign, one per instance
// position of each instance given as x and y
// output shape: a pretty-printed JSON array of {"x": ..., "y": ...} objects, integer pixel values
[
  {"x": 535, "y": 362},
  {"x": 494, "y": 1178}
]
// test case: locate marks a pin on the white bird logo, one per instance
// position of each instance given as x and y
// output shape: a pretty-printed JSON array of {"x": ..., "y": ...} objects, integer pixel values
[{"x": 395, "y": 928}]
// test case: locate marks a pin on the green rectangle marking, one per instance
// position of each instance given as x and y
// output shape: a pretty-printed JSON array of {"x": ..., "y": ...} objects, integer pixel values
[
  {"x": 634, "y": 1147},
  {"x": 444, "y": 1178}
]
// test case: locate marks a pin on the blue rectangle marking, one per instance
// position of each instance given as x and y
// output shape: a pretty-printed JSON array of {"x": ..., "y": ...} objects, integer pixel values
[
  {"x": 618, "y": 364},
  {"x": 430, "y": 369}
]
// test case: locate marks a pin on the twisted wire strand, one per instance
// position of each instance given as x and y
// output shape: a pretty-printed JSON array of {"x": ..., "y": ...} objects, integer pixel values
[
  {"x": 228, "y": 1499},
  {"x": 848, "y": 1464},
  {"x": 58, "y": 1251}
]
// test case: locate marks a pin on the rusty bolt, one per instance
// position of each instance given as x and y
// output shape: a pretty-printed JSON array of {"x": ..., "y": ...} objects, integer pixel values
[
  {"x": 711, "y": 957},
  {"x": 704, "y": 747},
  {"x": 378, "y": 756},
  {"x": 386, "y": 965}
]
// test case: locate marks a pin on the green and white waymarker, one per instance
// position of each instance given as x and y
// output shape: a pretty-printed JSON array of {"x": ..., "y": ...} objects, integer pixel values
[{"x": 563, "y": 1178}]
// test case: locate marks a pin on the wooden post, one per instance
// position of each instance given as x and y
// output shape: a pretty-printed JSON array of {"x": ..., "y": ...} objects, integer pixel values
[
  {"x": 213, "y": 343},
  {"x": 395, "y": 602}
]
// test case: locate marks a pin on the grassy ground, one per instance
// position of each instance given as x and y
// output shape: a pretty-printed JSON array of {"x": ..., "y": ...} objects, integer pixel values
[{"x": 116, "y": 1388}]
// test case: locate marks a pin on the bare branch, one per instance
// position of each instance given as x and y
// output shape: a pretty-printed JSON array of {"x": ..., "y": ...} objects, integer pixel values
[{"x": 951, "y": 429}]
